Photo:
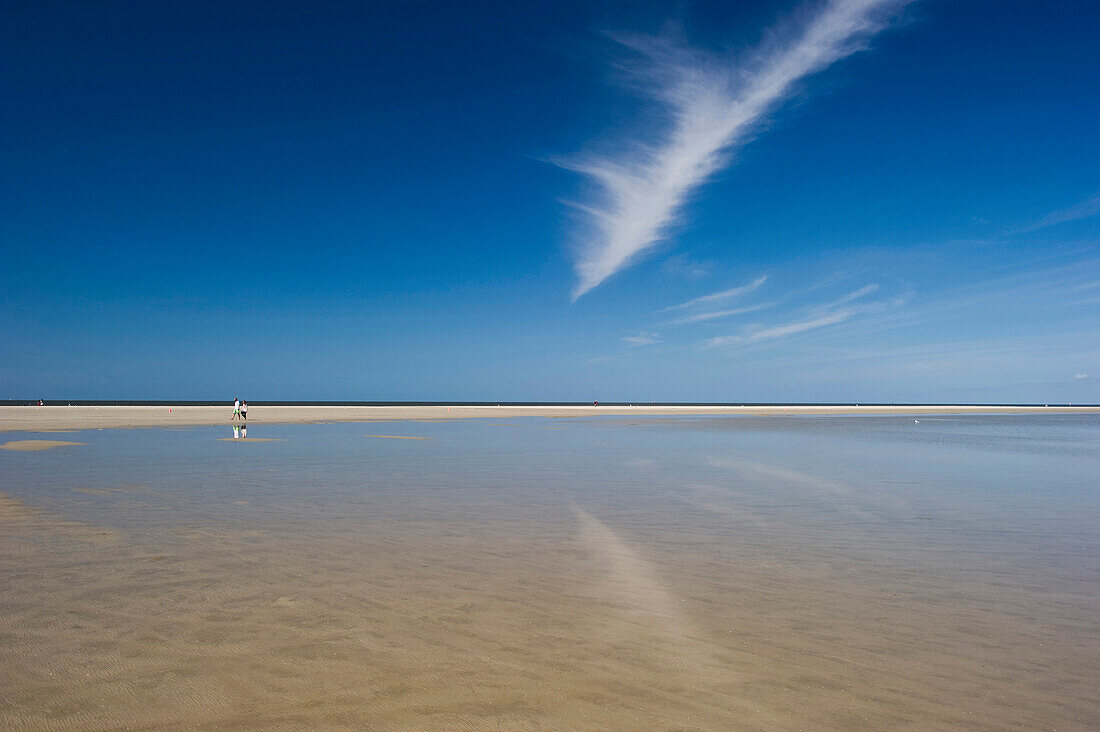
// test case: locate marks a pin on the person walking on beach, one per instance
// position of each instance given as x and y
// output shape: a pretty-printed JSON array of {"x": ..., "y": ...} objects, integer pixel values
[
  {"x": 236, "y": 409},
  {"x": 244, "y": 410}
]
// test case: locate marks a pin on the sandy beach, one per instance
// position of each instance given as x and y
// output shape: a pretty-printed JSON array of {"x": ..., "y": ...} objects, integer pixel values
[
  {"x": 51, "y": 418},
  {"x": 650, "y": 573}
]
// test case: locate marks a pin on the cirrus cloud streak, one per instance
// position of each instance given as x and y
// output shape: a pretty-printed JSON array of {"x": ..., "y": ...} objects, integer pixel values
[{"x": 713, "y": 106}]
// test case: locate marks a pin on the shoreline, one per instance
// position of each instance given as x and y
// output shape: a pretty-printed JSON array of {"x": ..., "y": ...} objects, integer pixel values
[{"x": 53, "y": 418}]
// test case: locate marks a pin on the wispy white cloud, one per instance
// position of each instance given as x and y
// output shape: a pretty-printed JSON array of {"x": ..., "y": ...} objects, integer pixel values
[
  {"x": 685, "y": 267},
  {"x": 855, "y": 295},
  {"x": 711, "y": 315},
  {"x": 798, "y": 326},
  {"x": 726, "y": 340},
  {"x": 715, "y": 297},
  {"x": 816, "y": 316},
  {"x": 1082, "y": 210},
  {"x": 642, "y": 339},
  {"x": 713, "y": 106}
]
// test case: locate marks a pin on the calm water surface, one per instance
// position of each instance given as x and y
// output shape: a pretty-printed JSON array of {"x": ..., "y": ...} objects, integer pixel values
[{"x": 755, "y": 572}]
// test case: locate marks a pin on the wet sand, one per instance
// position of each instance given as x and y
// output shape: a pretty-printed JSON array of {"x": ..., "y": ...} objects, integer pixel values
[
  {"x": 399, "y": 437},
  {"x": 572, "y": 603},
  {"x": 249, "y": 439},
  {"x": 582, "y": 625},
  {"x": 36, "y": 445},
  {"x": 39, "y": 419}
]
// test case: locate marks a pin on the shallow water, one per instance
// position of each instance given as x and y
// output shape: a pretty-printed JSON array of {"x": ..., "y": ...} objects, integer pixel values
[{"x": 753, "y": 572}]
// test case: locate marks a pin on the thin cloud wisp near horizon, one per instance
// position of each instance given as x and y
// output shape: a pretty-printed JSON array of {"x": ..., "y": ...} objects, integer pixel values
[
  {"x": 814, "y": 317},
  {"x": 642, "y": 339},
  {"x": 786, "y": 329},
  {"x": 714, "y": 297},
  {"x": 715, "y": 314},
  {"x": 1082, "y": 210}
]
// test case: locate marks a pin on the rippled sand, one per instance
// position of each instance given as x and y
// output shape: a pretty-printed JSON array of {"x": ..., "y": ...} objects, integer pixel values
[{"x": 570, "y": 609}]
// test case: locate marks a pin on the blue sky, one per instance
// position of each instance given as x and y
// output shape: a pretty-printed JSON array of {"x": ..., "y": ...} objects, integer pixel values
[{"x": 863, "y": 200}]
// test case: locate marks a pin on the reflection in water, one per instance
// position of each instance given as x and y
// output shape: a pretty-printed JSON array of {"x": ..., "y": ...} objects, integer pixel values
[{"x": 752, "y": 573}]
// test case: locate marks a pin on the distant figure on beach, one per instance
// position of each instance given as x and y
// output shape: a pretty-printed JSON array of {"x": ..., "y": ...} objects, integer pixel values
[
  {"x": 595, "y": 404},
  {"x": 244, "y": 410},
  {"x": 236, "y": 409}
]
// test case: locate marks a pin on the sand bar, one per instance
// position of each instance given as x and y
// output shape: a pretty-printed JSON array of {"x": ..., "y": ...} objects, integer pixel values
[
  {"x": 36, "y": 445},
  {"x": 30, "y": 418}
]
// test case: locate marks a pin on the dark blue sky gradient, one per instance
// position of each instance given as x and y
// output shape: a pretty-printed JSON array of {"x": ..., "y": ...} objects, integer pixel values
[{"x": 354, "y": 201}]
